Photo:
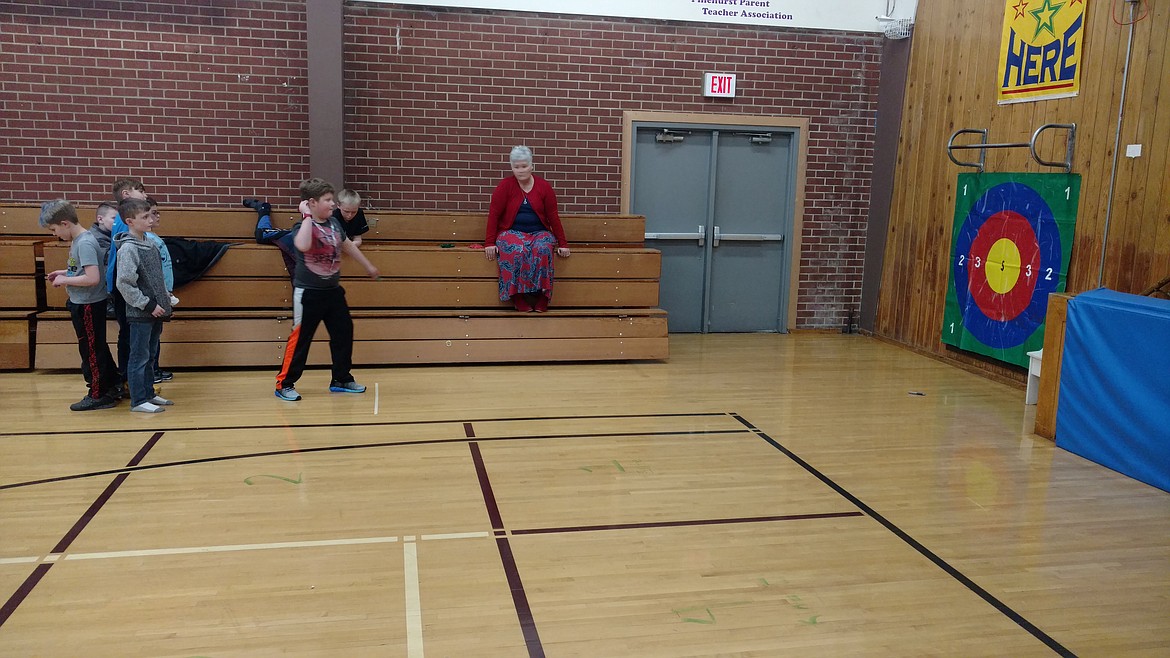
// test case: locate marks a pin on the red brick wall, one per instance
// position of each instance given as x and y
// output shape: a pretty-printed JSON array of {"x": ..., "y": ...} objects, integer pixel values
[
  {"x": 206, "y": 102},
  {"x": 437, "y": 98}
]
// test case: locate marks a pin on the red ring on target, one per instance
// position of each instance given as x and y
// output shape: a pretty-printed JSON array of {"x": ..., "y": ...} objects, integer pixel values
[{"x": 1010, "y": 225}]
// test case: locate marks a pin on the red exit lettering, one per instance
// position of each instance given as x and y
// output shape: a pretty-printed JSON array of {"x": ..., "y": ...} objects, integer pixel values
[{"x": 719, "y": 84}]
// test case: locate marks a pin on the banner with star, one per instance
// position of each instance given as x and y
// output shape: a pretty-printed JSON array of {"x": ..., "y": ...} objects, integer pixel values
[{"x": 1040, "y": 52}]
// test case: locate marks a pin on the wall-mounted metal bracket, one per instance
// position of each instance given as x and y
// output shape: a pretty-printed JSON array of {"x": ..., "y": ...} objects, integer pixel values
[{"x": 982, "y": 146}]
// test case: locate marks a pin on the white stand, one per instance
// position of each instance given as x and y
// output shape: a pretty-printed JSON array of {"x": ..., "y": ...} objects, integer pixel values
[{"x": 1033, "y": 392}]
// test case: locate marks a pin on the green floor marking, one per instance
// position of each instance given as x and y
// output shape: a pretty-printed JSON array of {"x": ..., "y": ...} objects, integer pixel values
[
  {"x": 693, "y": 620},
  {"x": 248, "y": 480}
]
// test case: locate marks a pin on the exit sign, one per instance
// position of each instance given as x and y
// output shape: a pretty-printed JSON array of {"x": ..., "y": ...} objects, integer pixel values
[{"x": 720, "y": 85}]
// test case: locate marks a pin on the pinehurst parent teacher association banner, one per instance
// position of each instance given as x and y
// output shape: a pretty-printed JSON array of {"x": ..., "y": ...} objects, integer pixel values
[{"x": 854, "y": 15}]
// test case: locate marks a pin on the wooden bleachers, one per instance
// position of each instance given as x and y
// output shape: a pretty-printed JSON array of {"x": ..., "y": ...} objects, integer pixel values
[
  {"x": 19, "y": 300},
  {"x": 436, "y": 301}
]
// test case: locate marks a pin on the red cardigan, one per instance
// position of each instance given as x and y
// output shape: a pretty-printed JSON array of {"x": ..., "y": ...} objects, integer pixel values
[{"x": 506, "y": 200}]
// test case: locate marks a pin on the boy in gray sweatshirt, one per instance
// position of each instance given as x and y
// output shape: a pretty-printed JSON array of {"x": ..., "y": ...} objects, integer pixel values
[{"x": 141, "y": 283}]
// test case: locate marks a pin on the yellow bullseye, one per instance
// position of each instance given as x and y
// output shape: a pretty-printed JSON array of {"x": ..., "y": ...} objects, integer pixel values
[{"x": 1003, "y": 265}]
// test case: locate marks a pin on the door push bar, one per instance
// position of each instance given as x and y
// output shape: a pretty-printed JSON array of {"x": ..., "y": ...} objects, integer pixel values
[
  {"x": 745, "y": 237},
  {"x": 1030, "y": 145},
  {"x": 701, "y": 236}
]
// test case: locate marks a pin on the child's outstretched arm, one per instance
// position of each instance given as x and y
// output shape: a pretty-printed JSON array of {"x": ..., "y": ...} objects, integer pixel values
[{"x": 350, "y": 248}]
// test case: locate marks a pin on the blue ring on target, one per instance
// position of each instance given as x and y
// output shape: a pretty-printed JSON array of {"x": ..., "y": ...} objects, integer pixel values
[{"x": 1028, "y": 203}]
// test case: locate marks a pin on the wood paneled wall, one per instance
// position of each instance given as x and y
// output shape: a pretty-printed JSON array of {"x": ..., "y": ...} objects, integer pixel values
[{"x": 952, "y": 85}]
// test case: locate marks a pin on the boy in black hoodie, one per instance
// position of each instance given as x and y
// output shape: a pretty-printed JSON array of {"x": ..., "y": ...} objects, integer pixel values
[{"x": 141, "y": 283}]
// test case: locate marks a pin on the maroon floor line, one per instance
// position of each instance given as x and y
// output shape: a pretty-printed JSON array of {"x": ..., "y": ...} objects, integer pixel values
[
  {"x": 678, "y": 524},
  {"x": 145, "y": 449},
  {"x": 24, "y": 590},
  {"x": 94, "y": 508},
  {"x": 42, "y": 569},
  {"x": 520, "y": 599},
  {"x": 515, "y": 584},
  {"x": 485, "y": 485}
]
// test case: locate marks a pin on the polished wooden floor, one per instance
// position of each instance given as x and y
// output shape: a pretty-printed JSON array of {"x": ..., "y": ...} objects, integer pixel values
[{"x": 757, "y": 495}]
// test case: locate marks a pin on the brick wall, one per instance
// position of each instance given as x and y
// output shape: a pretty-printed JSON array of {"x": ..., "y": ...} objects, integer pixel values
[
  {"x": 205, "y": 102},
  {"x": 438, "y": 97},
  {"x": 208, "y": 104}
]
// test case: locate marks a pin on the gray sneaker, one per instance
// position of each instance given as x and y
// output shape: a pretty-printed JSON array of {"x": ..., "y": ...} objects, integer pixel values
[
  {"x": 90, "y": 404},
  {"x": 347, "y": 387},
  {"x": 288, "y": 393}
]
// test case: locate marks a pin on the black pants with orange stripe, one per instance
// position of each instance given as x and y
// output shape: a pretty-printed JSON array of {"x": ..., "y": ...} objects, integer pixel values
[
  {"x": 97, "y": 364},
  {"x": 310, "y": 309}
]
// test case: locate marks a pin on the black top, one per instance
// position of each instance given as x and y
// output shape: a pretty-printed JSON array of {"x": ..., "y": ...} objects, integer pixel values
[
  {"x": 354, "y": 227},
  {"x": 527, "y": 221}
]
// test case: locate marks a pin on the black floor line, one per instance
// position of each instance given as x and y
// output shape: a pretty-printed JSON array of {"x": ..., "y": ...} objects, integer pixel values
[
  {"x": 523, "y": 609},
  {"x": 916, "y": 545},
  {"x": 688, "y": 523},
  {"x": 357, "y": 446},
  {"x": 380, "y": 423}
]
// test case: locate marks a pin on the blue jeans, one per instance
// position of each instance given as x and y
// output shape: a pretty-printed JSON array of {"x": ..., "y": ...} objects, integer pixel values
[
  {"x": 144, "y": 339},
  {"x": 282, "y": 238}
]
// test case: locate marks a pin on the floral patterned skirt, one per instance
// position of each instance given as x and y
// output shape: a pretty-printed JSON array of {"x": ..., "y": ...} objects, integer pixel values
[{"x": 526, "y": 262}]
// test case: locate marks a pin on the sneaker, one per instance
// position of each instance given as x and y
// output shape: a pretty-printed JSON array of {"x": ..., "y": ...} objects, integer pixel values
[
  {"x": 348, "y": 387},
  {"x": 261, "y": 206},
  {"x": 89, "y": 404},
  {"x": 148, "y": 408},
  {"x": 118, "y": 392},
  {"x": 161, "y": 401},
  {"x": 288, "y": 393},
  {"x": 163, "y": 376}
]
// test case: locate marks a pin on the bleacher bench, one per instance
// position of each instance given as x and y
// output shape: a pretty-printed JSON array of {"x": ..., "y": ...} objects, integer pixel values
[{"x": 436, "y": 301}]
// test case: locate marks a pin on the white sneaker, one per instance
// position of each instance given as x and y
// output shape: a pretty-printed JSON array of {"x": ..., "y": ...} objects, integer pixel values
[
  {"x": 148, "y": 408},
  {"x": 161, "y": 401}
]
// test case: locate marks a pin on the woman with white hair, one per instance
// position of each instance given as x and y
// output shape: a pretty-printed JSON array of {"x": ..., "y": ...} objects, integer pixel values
[{"x": 523, "y": 228}]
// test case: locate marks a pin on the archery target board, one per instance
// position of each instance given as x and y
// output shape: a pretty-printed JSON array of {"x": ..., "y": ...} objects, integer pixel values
[{"x": 1010, "y": 248}]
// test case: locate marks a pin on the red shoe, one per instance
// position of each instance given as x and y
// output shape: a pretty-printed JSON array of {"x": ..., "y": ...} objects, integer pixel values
[
  {"x": 521, "y": 303},
  {"x": 541, "y": 303}
]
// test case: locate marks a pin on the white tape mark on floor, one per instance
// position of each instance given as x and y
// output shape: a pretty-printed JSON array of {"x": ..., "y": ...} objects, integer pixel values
[
  {"x": 414, "y": 636},
  {"x": 232, "y": 548}
]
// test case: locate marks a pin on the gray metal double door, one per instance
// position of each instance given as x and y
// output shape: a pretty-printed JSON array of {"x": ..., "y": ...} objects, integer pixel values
[{"x": 718, "y": 204}]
